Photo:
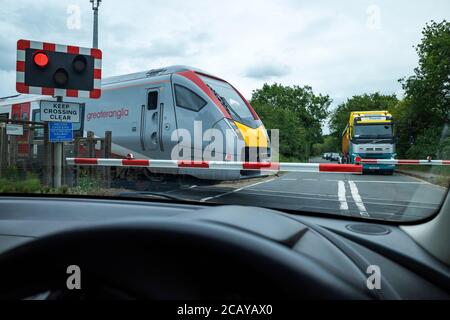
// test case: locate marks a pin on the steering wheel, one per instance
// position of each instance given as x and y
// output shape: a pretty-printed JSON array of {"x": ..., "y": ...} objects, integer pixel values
[{"x": 167, "y": 259}]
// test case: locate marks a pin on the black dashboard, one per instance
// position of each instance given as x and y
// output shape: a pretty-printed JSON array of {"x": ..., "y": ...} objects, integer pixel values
[{"x": 331, "y": 251}]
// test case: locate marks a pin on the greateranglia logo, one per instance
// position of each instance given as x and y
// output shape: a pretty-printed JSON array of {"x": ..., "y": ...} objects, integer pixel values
[{"x": 117, "y": 114}]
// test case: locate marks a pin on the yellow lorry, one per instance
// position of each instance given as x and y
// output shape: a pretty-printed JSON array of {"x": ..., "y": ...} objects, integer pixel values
[{"x": 369, "y": 135}]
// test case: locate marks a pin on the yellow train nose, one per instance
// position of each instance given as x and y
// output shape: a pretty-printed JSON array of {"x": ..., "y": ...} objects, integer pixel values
[{"x": 253, "y": 137}]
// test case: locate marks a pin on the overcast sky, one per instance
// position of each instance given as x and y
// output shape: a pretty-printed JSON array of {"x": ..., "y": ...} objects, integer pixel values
[{"x": 340, "y": 48}]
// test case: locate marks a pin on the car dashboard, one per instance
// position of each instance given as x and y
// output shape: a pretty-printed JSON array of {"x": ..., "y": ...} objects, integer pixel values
[{"x": 348, "y": 249}]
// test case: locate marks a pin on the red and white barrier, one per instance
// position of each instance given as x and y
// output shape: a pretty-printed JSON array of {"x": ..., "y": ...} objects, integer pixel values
[
  {"x": 412, "y": 162},
  {"x": 220, "y": 165}
]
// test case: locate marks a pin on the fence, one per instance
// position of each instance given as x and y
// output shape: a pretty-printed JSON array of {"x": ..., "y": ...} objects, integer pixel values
[{"x": 28, "y": 151}]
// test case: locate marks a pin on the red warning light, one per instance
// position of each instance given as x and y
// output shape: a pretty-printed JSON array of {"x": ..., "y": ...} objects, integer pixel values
[
  {"x": 41, "y": 59},
  {"x": 358, "y": 159}
]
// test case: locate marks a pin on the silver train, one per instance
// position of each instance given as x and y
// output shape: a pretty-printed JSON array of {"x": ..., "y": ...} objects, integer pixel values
[{"x": 145, "y": 112}]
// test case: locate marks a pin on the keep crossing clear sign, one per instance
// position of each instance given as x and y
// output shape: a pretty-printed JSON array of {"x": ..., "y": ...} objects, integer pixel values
[
  {"x": 54, "y": 111},
  {"x": 60, "y": 132}
]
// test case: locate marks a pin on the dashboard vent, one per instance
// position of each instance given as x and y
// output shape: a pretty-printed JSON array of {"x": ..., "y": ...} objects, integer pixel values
[{"x": 370, "y": 229}]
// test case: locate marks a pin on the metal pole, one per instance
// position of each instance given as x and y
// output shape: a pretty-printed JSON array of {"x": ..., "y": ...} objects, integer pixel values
[
  {"x": 95, "y": 41},
  {"x": 57, "y": 160},
  {"x": 95, "y": 5}
]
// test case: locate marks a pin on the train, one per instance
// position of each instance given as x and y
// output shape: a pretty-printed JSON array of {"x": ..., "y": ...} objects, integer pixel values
[{"x": 168, "y": 113}]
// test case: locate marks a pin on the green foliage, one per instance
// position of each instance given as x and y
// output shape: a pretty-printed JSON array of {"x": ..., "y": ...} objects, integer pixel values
[
  {"x": 329, "y": 145},
  {"x": 425, "y": 144},
  {"x": 427, "y": 92},
  {"x": 425, "y": 111},
  {"x": 86, "y": 186},
  {"x": 297, "y": 112},
  {"x": 12, "y": 182}
]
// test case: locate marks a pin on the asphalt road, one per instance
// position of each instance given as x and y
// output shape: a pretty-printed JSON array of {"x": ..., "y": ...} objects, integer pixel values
[{"x": 396, "y": 197}]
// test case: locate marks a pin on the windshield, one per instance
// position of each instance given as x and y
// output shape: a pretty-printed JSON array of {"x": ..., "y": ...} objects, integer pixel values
[
  {"x": 373, "y": 131},
  {"x": 233, "y": 100},
  {"x": 128, "y": 113}
]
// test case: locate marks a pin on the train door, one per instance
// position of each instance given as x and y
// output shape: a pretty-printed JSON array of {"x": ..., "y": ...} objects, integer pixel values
[
  {"x": 158, "y": 122},
  {"x": 193, "y": 115}
]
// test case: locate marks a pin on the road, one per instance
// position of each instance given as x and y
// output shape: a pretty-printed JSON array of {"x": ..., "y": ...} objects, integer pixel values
[{"x": 371, "y": 196}]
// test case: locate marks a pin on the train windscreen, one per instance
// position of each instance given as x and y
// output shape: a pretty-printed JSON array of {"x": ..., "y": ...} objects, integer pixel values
[{"x": 228, "y": 96}]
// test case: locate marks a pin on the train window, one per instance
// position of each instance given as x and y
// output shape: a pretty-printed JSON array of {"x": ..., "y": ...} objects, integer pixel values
[
  {"x": 152, "y": 103},
  {"x": 188, "y": 99}
]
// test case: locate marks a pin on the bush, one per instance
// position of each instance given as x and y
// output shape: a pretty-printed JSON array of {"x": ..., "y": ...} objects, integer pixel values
[
  {"x": 10, "y": 184},
  {"x": 430, "y": 143}
]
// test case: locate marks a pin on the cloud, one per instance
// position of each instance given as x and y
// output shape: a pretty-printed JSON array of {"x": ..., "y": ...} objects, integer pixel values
[
  {"x": 267, "y": 71},
  {"x": 324, "y": 44}
]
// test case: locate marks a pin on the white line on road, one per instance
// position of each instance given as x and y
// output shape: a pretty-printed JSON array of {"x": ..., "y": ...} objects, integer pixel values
[
  {"x": 289, "y": 179},
  {"x": 381, "y": 181},
  {"x": 310, "y": 179},
  {"x": 358, "y": 201},
  {"x": 341, "y": 195},
  {"x": 234, "y": 191}
]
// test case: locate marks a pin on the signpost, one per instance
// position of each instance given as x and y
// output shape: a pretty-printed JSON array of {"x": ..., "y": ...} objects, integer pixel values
[
  {"x": 54, "y": 111},
  {"x": 14, "y": 129},
  {"x": 60, "y": 132}
]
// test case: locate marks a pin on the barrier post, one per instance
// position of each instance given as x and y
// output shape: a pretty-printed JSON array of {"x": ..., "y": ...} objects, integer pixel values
[
  {"x": 91, "y": 151},
  {"x": 107, "y": 141},
  {"x": 3, "y": 149}
]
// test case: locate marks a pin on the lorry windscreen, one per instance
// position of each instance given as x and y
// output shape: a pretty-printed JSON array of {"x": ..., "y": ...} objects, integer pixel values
[
  {"x": 376, "y": 131},
  {"x": 234, "y": 101}
]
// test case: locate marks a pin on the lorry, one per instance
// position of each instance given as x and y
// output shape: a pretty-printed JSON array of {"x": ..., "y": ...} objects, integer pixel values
[{"x": 369, "y": 135}]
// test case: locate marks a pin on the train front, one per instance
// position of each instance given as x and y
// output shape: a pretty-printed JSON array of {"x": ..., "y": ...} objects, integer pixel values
[{"x": 253, "y": 143}]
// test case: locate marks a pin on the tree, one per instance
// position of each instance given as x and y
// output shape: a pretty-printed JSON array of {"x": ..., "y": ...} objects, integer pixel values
[
  {"x": 329, "y": 144},
  {"x": 426, "y": 109},
  {"x": 302, "y": 111},
  {"x": 292, "y": 133},
  {"x": 427, "y": 92}
]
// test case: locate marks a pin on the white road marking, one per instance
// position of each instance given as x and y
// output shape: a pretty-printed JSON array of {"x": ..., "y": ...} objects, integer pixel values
[
  {"x": 289, "y": 179},
  {"x": 394, "y": 182},
  {"x": 297, "y": 193},
  {"x": 192, "y": 187},
  {"x": 310, "y": 179},
  {"x": 358, "y": 201},
  {"x": 341, "y": 195},
  {"x": 235, "y": 190}
]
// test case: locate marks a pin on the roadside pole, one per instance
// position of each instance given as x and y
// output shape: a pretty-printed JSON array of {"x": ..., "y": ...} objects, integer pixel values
[{"x": 57, "y": 159}]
